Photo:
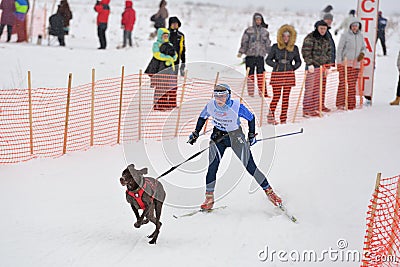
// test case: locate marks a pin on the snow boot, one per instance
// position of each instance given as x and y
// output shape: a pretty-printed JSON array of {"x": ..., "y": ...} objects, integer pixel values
[
  {"x": 273, "y": 197},
  {"x": 395, "y": 102},
  {"x": 209, "y": 202}
]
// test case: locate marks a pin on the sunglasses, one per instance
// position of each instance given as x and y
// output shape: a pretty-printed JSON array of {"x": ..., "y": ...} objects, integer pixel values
[{"x": 220, "y": 94}]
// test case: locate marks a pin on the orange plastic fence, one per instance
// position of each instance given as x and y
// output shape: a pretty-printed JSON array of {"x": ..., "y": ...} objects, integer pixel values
[
  {"x": 382, "y": 246},
  {"x": 135, "y": 107}
]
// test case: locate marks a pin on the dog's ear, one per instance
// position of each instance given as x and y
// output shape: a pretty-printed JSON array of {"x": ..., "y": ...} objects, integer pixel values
[
  {"x": 143, "y": 171},
  {"x": 131, "y": 168}
]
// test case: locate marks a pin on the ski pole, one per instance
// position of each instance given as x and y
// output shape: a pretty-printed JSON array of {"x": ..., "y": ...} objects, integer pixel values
[
  {"x": 278, "y": 136},
  {"x": 193, "y": 156}
]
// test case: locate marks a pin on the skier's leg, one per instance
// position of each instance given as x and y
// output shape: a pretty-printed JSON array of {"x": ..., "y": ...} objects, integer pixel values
[{"x": 214, "y": 158}]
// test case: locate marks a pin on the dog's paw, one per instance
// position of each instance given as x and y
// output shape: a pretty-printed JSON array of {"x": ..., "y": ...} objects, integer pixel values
[
  {"x": 145, "y": 221},
  {"x": 137, "y": 224}
]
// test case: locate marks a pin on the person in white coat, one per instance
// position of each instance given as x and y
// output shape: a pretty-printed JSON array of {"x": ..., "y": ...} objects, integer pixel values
[{"x": 350, "y": 53}]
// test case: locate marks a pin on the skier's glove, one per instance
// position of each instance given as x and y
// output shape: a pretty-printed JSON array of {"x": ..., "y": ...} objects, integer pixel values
[
  {"x": 360, "y": 57},
  {"x": 193, "y": 137},
  {"x": 252, "y": 138},
  {"x": 336, "y": 32}
]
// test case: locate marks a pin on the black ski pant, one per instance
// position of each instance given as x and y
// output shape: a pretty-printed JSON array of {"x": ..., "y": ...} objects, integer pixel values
[
  {"x": 255, "y": 64},
  {"x": 398, "y": 88},
  {"x": 101, "y": 32},
  {"x": 236, "y": 140},
  {"x": 9, "y": 31},
  {"x": 381, "y": 37}
]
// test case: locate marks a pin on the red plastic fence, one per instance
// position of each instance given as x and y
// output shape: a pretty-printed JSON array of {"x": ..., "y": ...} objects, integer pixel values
[
  {"x": 382, "y": 245},
  {"x": 134, "y": 107}
]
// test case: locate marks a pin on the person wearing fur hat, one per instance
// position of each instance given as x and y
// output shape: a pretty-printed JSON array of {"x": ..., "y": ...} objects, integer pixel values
[
  {"x": 127, "y": 22},
  {"x": 255, "y": 44},
  {"x": 317, "y": 54},
  {"x": 351, "y": 48},
  {"x": 284, "y": 59}
]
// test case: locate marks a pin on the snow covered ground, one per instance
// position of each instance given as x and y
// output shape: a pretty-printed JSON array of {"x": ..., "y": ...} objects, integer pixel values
[{"x": 71, "y": 211}]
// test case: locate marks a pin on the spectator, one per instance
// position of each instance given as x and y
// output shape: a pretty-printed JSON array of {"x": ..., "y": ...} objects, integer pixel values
[
  {"x": 317, "y": 54},
  {"x": 328, "y": 18},
  {"x": 22, "y": 8},
  {"x": 127, "y": 22},
  {"x": 7, "y": 17},
  {"x": 161, "y": 68},
  {"x": 66, "y": 13},
  {"x": 159, "y": 18},
  {"x": 103, "y": 9},
  {"x": 396, "y": 102},
  {"x": 346, "y": 22},
  {"x": 382, "y": 22},
  {"x": 56, "y": 22},
  {"x": 351, "y": 48},
  {"x": 177, "y": 39},
  {"x": 284, "y": 59},
  {"x": 255, "y": 45},
  {"x": 327, "y": 10}
]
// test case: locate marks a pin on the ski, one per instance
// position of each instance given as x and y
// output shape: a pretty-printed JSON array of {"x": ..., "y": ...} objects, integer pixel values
[
  {"x": 198, "y": 211},
  {"x": 286, "y": 213}
]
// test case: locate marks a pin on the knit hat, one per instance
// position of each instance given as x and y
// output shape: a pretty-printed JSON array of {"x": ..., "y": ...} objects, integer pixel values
[{"x": 328, "y": 16}]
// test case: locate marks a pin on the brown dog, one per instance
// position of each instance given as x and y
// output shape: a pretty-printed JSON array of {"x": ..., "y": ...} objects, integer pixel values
[{"x": 144, "y": 193}]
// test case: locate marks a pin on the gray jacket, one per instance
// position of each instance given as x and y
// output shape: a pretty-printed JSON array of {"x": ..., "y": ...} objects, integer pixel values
[
  {"x": 350, "y": 46},
  {"x": 255, "y": 40}
]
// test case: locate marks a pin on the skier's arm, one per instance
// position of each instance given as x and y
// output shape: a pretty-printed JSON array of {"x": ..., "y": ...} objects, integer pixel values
[
  {"x": 297, "y": 59},
  {"x": 202, "y": 119},
  {"x": 306, "y": 51},
  {"x": 247, "y": 115}
]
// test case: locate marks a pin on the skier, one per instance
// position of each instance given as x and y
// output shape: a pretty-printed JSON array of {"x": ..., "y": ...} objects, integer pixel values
[
  {"x": 255, "y": 44},
  {"x": 227, "y": 132}
]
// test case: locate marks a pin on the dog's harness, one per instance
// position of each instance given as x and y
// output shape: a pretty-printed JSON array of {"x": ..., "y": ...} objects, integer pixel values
[{"x": 138, "y": 194}]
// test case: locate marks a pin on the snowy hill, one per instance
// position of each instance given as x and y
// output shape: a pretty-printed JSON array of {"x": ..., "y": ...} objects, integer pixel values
[{"x": 71, "y": 211}]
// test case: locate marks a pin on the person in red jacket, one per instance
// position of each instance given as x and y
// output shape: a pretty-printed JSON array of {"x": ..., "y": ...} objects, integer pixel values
[
  {"x": 103, "y": 9},
  {"x": 127, "y": 22}
]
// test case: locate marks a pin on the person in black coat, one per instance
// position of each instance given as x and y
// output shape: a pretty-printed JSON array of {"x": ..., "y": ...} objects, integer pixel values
[
  {"x": 56, "y": 22},
  {"x": 284, "y": 59}
]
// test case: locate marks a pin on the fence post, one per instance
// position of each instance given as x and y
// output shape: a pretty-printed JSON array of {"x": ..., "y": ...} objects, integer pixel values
[
  {"x": 140, "y": 105},
  {"x": 346, "y": 86},
  {"x": 372, "y": 218},
  {"x": 395, "y": 219},
  {"x": 321, "y": 88},
  {"x": 92, "y": 109},
  {"x": 67, "y": 113},
  {"x": 120, "y": 104},
  {"x": 301, "y": 92},
  {"x": 361, "y": 82},
  {"x": 30, "y": 112},
  {"x": 244, "y": 84},
  {"x": 31, "y": 22},
  {"x": 262, "y": 98},
  {"x": 180, "y": 104},
  {"x": 212, "y": 95}
]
